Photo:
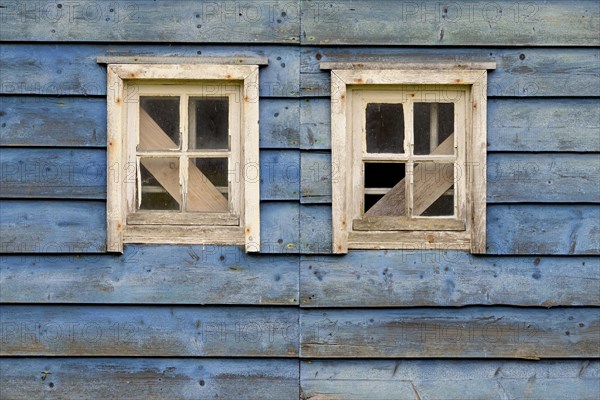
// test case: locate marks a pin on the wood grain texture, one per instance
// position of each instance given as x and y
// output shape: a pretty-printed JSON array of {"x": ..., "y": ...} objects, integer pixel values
[
  {"x": 279, "y": 123},
  {"x": 503, "y": 23},
  {"x": 523, "y": 124},
  {"x": 543, "y": 178},
  {"x": 47, "y": 226},
  {"x": 280, "y": 227},
  {"x": 474, "y": 332},
  {"x": 81, "y": 122},
  {"x": 148, "y": 378},
  {"x": 543, "y": 229},
  {"x": 315, "y": 229},
  {"x": 524, "y": 72},
  {"x": 315, "y": 185},
  {"x": 450, "y": 380},
  {"x": 71, "y": 69},
  {"x": 315, "y": 124},
  {"x": 280, "y": 175},
  {"x": 53, "y": 173},
  {"x": 149, "y": 331},
  {"x": 158, "y": 21},
  {"x": 46, "y": 121},
  {"x": 148, "y": 274},
  {"x": 413, "y": 278},
  {"x": 544, "y": 125}
]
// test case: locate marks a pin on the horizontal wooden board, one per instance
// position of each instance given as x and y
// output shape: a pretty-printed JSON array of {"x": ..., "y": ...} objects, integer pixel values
[
  {"x": 523, "y": 124},
  {"x": 543, "y": 229},
  {"x": 511, "y": 178},
  {"x": 140, "y": 21},
  {"x": 160, "y": 274},
  {"x": 280, "y": 175},
  {"x": 148, "y": 378},
  {"x": 450, "y": 379},
  {"x": 544, "y": 125},
  {"x": 50, "y": 226},
  {"x": 161, "y": 331},
  {"x": 279, "y": 227},
  {"x": 473, "y": 332},
  {"x": 315, "y": 229},
  {"x": 81, "y": 122},
  {"x": 543, "y": 178},
  {"x": 315, "y": 186},
  {"x": 53, "y": 173},
  {"x": 413, "y": 278},
  {"x": 430, "y": 23},
  {"x": 48, "y": 121},
  {"x": 279, "y": 123},
  {"x": 71, "y": 69},
  {"x": 526, "y": 72}
]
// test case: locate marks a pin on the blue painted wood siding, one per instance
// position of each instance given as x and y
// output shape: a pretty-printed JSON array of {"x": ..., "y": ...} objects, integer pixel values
[{"x": 213, "y": 322}]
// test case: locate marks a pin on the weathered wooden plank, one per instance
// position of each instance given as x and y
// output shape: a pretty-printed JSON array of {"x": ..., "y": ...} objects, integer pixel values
[
  {"x": 527, "y": 72},
  {"x": 53, "y": 173},
  {"x": 546, "y": 178},
  {"x": 150, "y": 331},
  {"x": 440, "y": 278},
  {"x": 158, "y": 21},
  {"x": 81, "y": 122},
  {"x": 151, "y": 274},
  {"x": 503, "y": 23},
  {"x": 450, "y": 380},
  {"x": 544, "y": 125},
  {"x": 525, "y": 124},
  {"x": 315, "y": 124},
  {"x": 148, "y": 378},
  {"x": 316, "y": 177},
  {"x": 71, "y": 69},
  {"x": 46, "y": 226},
  {"x": 279, "y": 124},
  {"x": 47, "y": 121},
  {"x": 474, "y": 332},
  {"x": 543, "y": 229},
  {"x": 511, "y": 178},
  {"x": 279, "y": 174},
  {"x": 280, "y": 227},
  {"x": 315, "y": 229}
]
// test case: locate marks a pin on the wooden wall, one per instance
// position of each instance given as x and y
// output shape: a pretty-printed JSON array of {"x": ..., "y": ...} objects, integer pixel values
[{"x": 295, "y": 321}]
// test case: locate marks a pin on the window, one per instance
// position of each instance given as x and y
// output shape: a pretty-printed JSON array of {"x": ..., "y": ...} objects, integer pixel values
[
  {"x": 409, "y": 145},
  {"x": 183, "y": 154}
]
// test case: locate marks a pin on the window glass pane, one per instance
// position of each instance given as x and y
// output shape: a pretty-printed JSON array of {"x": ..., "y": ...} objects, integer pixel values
[
  {"x": 433, "y": 189},
  {"x": 385, "y": 128},
  {"x": 209, "y": 123},
  {"x": 433, "y": 124},
  {"x": 385, "y": 189},
  {"x": 159, "y": 184},
  {"x": 159, "y": 123},
  {"x": 208, "y": 185}
]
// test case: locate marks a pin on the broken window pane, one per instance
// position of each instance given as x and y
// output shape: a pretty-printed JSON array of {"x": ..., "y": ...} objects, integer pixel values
[
  {"x": 384, "y": 189},
  {"x": 385, "y": 128},
  {"x": 209, "y": 185},
  {"x": 433, "y": 189},
  {"x": 160, "y": 188},
  {"x": 159, "y": 123},
  {"x": 209, "y": 123},
  {"x": 433, "y": 124}
]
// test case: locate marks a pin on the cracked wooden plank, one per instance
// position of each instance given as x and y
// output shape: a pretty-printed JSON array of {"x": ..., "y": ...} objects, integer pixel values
[
  {"x": 449, "y": 379},
  {"x": 473, "y": 332}
]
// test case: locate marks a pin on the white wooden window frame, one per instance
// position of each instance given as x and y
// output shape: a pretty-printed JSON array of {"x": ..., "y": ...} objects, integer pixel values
[
  {"x": 347, "y": 152},
  {"x": 240, "y": 227}
]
